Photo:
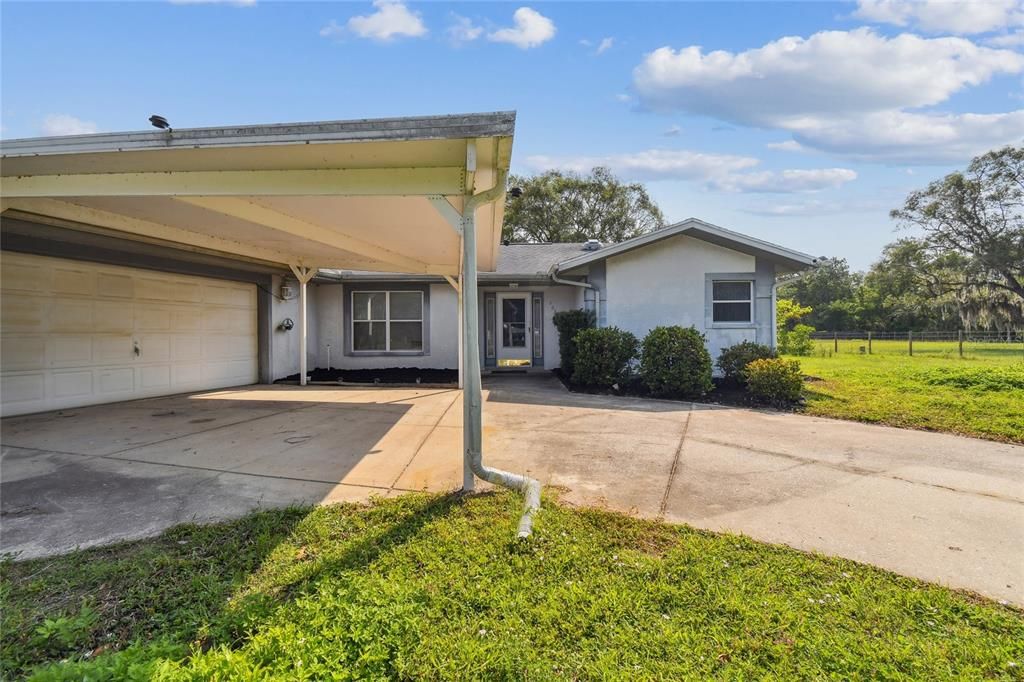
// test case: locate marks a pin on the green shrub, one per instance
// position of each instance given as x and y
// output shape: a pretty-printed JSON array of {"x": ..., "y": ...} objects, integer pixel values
[
  {"x": 569, "y": 323},
  {"x": 733, "y": 359},
  {"x": 796, "y": 341},
  {"x": 774, "y": 379},
  {"x": 603, "y": 356},
  {"x": 675, "y": 362}
]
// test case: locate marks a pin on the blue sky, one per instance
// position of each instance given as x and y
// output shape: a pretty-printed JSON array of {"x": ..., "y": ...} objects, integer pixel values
[{"x": 800, "y": 123}]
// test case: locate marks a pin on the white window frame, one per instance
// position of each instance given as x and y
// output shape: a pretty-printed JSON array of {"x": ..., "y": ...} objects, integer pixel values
[
  {"x": 387, "y": 321},
  {"x": 749, "y": 301}
]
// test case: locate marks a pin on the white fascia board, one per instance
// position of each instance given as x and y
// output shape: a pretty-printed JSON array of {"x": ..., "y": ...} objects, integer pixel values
[
  {"x": 739, "y": 241},
  {"x": 321, "y": 182},
  {"x": 455, "y": 126}
]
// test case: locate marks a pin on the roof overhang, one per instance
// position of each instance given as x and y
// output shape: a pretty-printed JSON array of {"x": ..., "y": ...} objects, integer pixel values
[
  {"x": 363, "y": 194},
  {"x": 787, "y": 259}
]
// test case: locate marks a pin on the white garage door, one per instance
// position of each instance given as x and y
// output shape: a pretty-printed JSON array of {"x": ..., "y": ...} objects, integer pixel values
[{"x": 77, "y": 333}]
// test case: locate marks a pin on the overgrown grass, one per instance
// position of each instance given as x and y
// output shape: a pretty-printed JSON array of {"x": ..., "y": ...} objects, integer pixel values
[
  {"x": 424, "y": 587},
  {"x": 979, "y": 395}
]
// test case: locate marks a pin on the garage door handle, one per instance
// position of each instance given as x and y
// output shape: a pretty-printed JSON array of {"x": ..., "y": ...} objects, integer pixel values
[{"x": 136, "y": 348}]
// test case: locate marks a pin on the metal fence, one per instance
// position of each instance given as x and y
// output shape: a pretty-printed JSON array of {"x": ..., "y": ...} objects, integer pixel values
[{"x": 962, "y": 343}]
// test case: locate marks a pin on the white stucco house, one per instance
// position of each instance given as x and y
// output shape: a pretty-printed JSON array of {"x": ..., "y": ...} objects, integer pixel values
[
  {"x": 689, "y": 273},
  {"x": 152, "y": 263}
]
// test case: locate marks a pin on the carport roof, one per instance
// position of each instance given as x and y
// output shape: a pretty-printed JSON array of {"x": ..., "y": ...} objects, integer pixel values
[{"x": 359, "y": 194}]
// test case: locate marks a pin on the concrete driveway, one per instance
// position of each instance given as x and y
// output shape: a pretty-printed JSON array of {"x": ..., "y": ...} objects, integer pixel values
[{"x": 933, "y": 506}]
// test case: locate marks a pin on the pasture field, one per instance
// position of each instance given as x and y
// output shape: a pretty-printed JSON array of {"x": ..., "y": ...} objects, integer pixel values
[{"x": 980, "y": 395}]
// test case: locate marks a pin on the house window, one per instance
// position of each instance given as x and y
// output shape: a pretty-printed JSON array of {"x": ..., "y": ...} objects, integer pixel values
[
  {"x": 387, "y": 321},
  {"x": 732, "y": 301}
]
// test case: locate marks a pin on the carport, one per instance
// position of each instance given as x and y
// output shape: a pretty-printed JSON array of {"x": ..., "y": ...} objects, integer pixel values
[{"x": 413, "y": 195}]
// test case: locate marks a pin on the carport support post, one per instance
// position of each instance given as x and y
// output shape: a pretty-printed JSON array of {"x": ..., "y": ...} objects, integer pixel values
[
  {"x": 472, "y": 399},
  {"x": 303, "y": 274}
]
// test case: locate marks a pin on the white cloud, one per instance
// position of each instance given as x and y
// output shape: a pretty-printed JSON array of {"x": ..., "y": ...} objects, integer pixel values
[
  {"x": 944, "y": 16},
  {"x": 786, "y": 181},
  {"x": 723, "y": 172},
  {"x": 463, "y": 30},
  {"x": 787, "y": 146},
  {"x": 623, "y": 97},
  {"x": 605, "y": 45},
  {"x": 817, "y": 207},
  {"x": 531, "y": 29},
  {"x": 826, "y": 87},
  {"x": 672, "y": 131},
  {"x": 65, "y": 124},
  {"x": 391, "y": 20},
  {"x": 332, "y": 30},
  {"x": 913, "y": 138},
  {"x": 1013, "y": 39}
]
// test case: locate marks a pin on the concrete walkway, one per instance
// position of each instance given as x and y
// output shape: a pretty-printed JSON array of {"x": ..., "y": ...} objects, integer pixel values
[{"x": 933, "y": 506}]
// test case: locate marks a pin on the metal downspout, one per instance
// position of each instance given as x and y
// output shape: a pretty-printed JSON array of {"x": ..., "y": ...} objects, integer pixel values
[
  {"x": 472, "y": 397},
  {"x": 553, "y": 273}
]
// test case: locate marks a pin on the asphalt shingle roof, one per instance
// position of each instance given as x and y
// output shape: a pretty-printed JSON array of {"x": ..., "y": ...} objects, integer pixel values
[{"x": 531, "y": 259}]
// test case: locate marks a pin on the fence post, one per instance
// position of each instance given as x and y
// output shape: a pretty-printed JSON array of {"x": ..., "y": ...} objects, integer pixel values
[
  {"x": 910, "y": 342},
  {"x": 869, "y": 343},
  {"x": 960, "y": 341},
  {"x": 835, "y": 342}
]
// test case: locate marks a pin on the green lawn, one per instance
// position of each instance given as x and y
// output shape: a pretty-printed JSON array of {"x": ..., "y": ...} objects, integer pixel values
[
  {"x": 425, "y": 587},
  {"x": 979, "y": 395}
]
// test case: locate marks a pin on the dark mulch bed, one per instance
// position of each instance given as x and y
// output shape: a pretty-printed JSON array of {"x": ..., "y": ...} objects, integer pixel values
[
  {"x": 725, "y": 393},
  {"x": 391, "y": 375}
]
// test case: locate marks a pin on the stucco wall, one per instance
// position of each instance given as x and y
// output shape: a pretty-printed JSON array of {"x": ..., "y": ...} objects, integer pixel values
[
  {"x": 284, "y": 345},
  {"x": 665, "y": 284},
  {"x": 443, "y": 329}
]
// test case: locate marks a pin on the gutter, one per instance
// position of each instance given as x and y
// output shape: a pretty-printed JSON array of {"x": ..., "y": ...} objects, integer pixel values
[{"x": 553, "y": 273}]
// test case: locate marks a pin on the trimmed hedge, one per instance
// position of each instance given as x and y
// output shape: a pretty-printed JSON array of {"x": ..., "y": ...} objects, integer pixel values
[
  {"x": 676, "y": 363},
  {"x": 774, "y": 379},
  {"x": 569, "y": 323},
  {"x": 603, "y": 356},
  {"x": 735, "y": 358}
]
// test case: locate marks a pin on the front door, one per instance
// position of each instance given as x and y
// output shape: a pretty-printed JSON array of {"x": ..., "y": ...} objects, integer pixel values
[{"x": 515, "y": 330}]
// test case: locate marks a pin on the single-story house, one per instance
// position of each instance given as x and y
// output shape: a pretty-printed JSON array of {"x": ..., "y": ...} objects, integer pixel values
[
  {"x": 689, "y": 273},
  {"x": 143, "y": 264}
]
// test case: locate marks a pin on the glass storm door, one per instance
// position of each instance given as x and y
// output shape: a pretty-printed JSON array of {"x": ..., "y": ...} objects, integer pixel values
[{"x": 515, "y": 330}]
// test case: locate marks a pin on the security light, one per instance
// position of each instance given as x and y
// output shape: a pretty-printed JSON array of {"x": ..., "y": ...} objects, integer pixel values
[{"x": 159, "y": 122}]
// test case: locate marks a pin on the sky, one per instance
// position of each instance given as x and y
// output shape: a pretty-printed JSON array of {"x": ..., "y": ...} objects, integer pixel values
[{"x": 799, "y": 123}]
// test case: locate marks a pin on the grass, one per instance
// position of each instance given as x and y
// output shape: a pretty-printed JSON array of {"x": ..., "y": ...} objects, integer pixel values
[
  {"x": 981, "y": 394},
  {"x": 427, "y": 587}
]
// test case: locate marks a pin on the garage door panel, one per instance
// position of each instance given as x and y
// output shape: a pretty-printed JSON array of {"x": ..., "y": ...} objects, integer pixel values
[
  {"x": 73, "y": 384},
  {"x": 112, "y": 382},
  {"x": 113, "y": 317},
  {"x": 70, "y": 350},
  {"x": 153, "y": 317},
  {"x": 186, "y": 347},
  {"x": 186, "y": 375},
  {"x": 113, "y": 350},
  {"x": 24, "y": 388},
  {"x": 155, "y": 377},
  {"x": 19, "y": 275},
  {"x": 76, "y": 281},
  {"x": 70, "y": 331},
  {"x": 219, "y": 319},
  {"x": 110, "y": 285},
  {"x": 23, "y": 352},
  {"x": 24, "y": 313},
  {"x": 71, "y": 315},
  {"x": 155, "y": 348}
]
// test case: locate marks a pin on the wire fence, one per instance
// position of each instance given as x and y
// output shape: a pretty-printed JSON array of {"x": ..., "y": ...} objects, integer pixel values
[{"x": 995, "y": 345}]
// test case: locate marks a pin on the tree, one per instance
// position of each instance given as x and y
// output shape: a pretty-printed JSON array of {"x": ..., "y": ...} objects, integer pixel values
[
  {"x": 567, "y": 207},
  {"x": 977, "y": 216},
  {"x": 828, "y": 289}
]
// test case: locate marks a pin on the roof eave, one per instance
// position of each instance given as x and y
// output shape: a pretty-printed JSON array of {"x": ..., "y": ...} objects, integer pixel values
[{"x": 453, "y": 126}]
